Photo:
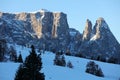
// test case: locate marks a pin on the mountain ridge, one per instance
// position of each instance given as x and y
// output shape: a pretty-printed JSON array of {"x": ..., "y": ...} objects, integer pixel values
[{"x": 50, "y": 31}]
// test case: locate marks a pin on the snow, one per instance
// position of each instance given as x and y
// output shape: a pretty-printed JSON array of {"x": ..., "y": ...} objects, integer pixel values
[
  {"x": 43, "y": 15},
  {"x": 42, "y": 10},
  {"x": 8, "y": 70},
  {"x": 72, "y": 33},
  {"x": 52, "y": 72},
  {"x": 21, "y": 49},
  {"x": 93, "y": 38}
]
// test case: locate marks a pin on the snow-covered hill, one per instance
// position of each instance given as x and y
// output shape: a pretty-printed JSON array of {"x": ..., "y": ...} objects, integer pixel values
[{"x": 52, "y": 72}]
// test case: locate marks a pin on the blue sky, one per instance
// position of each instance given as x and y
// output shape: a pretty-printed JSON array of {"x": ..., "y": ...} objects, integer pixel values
[{"x": 77, "y": 10}]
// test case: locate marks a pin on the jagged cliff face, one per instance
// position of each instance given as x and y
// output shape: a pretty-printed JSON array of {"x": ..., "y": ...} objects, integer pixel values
[
  {"x": 39, "y": 28},
  {"x": 102, "y": 42},
  {"x": 87, "y": 31},
  {"x": 50, "y": 31},
  {"x": 104, "y": 36},
  {"x": 45, "y": 23},
  {"x": 100, "y": 29}
]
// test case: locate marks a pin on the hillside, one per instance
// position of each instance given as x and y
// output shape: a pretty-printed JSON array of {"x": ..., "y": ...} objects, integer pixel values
[{"x": 52, "y": 72}]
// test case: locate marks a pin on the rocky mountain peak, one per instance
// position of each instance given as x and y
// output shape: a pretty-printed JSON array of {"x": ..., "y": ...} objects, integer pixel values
[
  {"x": 87, "y": 31},
  {"x": 100, "y": 20},
  {"x": 100, "y": 29},
  {"x": 102, "y": 41}
]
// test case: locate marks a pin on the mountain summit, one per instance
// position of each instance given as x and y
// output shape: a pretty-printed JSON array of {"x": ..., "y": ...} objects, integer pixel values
[
  {"x": 99, "y": 28},
  {"x": 50, "y": 31},
  {"x": 88, "y": 30},
  {"x": 101, "y": 43}
]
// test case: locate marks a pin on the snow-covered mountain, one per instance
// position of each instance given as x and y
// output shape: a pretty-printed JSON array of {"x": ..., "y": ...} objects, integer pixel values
[
  {"x": 53, "y": 72},
  {"x": 50, "y": 31}
]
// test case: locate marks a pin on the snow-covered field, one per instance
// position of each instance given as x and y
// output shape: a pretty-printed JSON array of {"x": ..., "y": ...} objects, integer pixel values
[{"x": 52, "y": 72}]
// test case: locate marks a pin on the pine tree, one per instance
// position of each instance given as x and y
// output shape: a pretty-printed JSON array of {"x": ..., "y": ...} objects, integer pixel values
[
  {"x": 31, "y": 67},
  {"x": 3, "y": 49},
  {"x": 63, "y": 62},
  {"x": 13, "y": 54},
  {"x": 59, "y": 60},
  {"x": 69, "y": 64},
  {"x": 94, "y": 69},
  {"x": 22, "y": 73},
  {"x": 112, "y": 60},
  {"x": 20, "y": 59},
  {"x": 33, "y": 61},
  {"x": 1, "y": 53},
  {"x": 68, "y": 52}
]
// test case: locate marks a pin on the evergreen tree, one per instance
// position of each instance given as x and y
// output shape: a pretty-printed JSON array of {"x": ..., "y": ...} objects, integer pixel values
[
  {"x": 94, "y": 69},
  {"x": 22, "y": 73},
  {"x": 59, "y": 60},
  {"x": 79, "y": 55},
  {"x": 69, "y": 64},
  {"x": 63, "y": 62},
  {"x": 112, "y": 60},
  {"x": 31, "y": 67},
  {"x": 20, "y": 59},
  {"x": 13, "y": 54},
  {"x": 1, "y": 53},
  {"x": 33, "y": 61},
  {"x": 101, "y": 58},
  {"x": 98, "y": 58},
  {"x": 68, "y": 52},
  {"x": 3, "y": 49}
]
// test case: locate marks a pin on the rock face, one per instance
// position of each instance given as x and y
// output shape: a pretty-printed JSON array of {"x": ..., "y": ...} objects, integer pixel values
[
  {"x": 87, "y": 31},
  {"x": 101, "y": 43},
  {"x": 50, "y": 31},
  {"x": 75, "y": 40},
  {"x": 42, "y": 28},
  {"x": 104, "y": 37}
]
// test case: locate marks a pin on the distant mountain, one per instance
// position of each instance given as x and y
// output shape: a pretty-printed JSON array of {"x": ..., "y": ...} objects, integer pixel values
[
  {"x": 50, "y": 31},
  {"x": 99, "y": 41},
  {"x": 41, "y": 28}
]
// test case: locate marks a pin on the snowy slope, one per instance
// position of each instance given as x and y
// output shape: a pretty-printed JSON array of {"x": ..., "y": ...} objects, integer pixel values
[
  {"x": 52, "y": 72},
  {"x": 111, "y": 71},
  {"x": 8, "y": 70}
]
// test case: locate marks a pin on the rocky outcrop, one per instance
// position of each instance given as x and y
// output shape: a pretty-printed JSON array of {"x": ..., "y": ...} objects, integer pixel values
[
  {"x": 104, "y": 37},
  {"x": 101, "y": 43},
  {"x": 87, "y": 31},
  {"x": 100, "y": 28},
  {"x": 39, "y": 28}
]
